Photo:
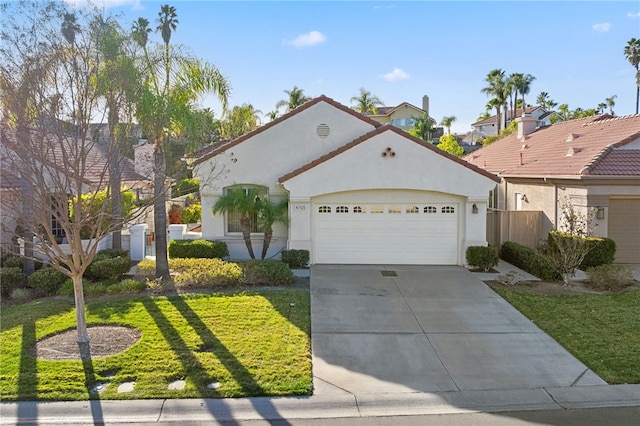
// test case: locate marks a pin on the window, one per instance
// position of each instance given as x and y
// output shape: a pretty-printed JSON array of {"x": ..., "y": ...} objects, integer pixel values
[
  {"x": 377, "y": 209},
  {"x": 448, "y": 209},
  {"x": 342, "y": 209},
  {"x": 395, "y": 210},
  {"x": 234, "y": 218},
  {"x": 403, "y": 122},
  {"x": 413, "y": 209},
  {"x": 324, "y": 209},
  {"x": 358, "y": 209},
  {"x": 430, "y": 209}
]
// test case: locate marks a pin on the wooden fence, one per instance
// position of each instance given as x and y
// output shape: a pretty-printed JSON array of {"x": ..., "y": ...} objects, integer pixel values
[{"x": 522, "y": 227}]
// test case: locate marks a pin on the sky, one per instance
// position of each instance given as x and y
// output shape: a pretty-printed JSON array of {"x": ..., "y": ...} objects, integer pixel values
[{"x": 402, "y": 50}]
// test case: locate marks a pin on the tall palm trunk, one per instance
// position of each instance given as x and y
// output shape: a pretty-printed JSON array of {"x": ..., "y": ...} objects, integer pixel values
[
  {"x": 268, "y": 234},
  {"x": 245, "y": 222},
  {"x": 159, "y": 209}
]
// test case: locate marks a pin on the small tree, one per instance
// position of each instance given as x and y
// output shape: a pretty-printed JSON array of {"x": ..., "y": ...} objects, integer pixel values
[
  {"x": 245, "y": 203},
  {"x": 270, "y": 213},
  {"x": 449, "y": 144},
  {"x": 566, "y": 249}
]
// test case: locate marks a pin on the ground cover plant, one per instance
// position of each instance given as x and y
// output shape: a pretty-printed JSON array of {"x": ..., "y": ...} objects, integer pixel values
[
  {"x": 248, "y": 344},
  {"x": 601, "y": 330}
]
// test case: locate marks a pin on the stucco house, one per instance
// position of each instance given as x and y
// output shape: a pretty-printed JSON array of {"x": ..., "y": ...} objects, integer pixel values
[
  {"x": 489, "y": 126},
  {"x": 594, "y": 162},
  {"x": 359, "y": 191}
]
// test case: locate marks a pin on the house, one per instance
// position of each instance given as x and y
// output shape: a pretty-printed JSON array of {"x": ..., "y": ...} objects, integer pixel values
[
  {"x": 489, "y": 126},
  {"x": 594, "y": 162},
  {"x": 403, "y": 116},
  {"x": 359, "y": 191}
]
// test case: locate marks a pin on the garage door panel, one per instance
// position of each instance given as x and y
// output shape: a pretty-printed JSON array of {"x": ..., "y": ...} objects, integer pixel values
[
  {"x": 398, "y": 235},
  {"x": 624, "y": 229}
]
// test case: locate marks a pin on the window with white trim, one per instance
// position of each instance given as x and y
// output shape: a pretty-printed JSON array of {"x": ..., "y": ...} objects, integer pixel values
[
  {"x": 359, "y": 209},
  {"x": 234, "y": 218},
  {"x": 430, "y": 209},
  {"x": 324, "y": 209},
  {"x": 342, "y": 209},
  {"x": 448, "y": 209}
]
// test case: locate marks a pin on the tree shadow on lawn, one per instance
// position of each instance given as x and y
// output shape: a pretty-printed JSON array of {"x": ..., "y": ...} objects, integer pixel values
[{"x": 192, "y": 366}]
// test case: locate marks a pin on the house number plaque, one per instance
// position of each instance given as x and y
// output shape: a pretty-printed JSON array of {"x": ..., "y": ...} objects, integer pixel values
[{"x": 299, "y": 207}]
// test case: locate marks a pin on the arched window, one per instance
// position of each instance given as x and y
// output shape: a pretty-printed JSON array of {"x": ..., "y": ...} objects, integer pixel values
[
  {"x": 448, "y": 209},
  {"x": 413, "y": 209},
  {"x": 342, "y": 209},
  {"x": 377, "y": 209},
  {"x": 324, "y": 209},
  {"x": 358, "y": 209},
  {"x": 394, "y": 209},
  {"x": 430, "y": 210},
  {"x": 233, "y": 217}
]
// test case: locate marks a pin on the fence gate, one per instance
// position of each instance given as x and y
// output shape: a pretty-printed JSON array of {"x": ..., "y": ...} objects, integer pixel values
[{"x": 522, "y": 227}]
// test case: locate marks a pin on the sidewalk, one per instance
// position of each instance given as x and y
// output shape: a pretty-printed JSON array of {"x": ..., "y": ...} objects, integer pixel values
[{"x": 316, "y": 407}]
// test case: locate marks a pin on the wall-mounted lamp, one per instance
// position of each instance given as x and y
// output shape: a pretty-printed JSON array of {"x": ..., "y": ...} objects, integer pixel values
[
  {"x": 524, "y": 198},
  {"x": 474, "y": 209},
  {"x": 600, "y": 213}
]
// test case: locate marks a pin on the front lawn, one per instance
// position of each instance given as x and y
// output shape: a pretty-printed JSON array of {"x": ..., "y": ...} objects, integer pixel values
[
  {"x": 248, "y": 344},
  {"x": 601, "y": 330}
]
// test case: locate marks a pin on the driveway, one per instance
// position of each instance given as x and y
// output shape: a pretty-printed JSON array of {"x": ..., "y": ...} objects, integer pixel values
[{"x": 386, "y": 329}]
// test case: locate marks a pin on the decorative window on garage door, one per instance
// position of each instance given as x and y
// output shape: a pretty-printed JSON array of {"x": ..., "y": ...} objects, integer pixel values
[
  {"x": 377, "y": 209},
  {"x": 430, "y": 209},
  {"x": 413, "y": 209},
  {"x": 359, "y": 209},
  {"x": 342, "y": 209},
  {"x": 324, "y": 209},
  {"x": 394, "y": 210},
  {"x": 448, "y": 209}
]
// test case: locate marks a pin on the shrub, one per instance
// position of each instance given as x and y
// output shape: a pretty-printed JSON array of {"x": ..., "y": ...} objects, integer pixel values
[
  {"x": 47, "y": 281},
  {"x": 204, "y": 273},
  {"x": 66, "y": 289},
  {"x": 266, "y": 272},
  {"x": 295, "y": 258},
  {"x": 192, "y": 213},
  {"x": 127, "y": 286},
  {"x": 603, "y": 251},
  {"x": 108, "y": 269},
  {"x": 201, "y": 249},
  {"x": 10, "y": 279},
  {"x": 482, "y": 257},
  {"x": 112, "y": 253},
  {"x": 20, "y": 294},
  {"x": 93, "y": 289},
  {"x": 18, "y": 262},
  {"x": 175, "y": 213},
  {"x": 529, "y": 260},
  {"x": 609, "y": 277}
]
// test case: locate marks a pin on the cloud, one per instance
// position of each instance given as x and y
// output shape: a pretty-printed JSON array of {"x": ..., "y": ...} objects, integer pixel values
[
  {"x": 396, "y": 74},
  {"x": 633, "y": 15},
  {"x": 601, "y": 28},
  {"x": 135, "y": 4},
  {"x": 309, "y": 39}
]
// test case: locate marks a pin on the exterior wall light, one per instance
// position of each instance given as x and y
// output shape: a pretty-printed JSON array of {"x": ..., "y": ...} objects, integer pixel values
[
  {"x": 474, "y": 209},
  {"x": 600, "y": 213}
]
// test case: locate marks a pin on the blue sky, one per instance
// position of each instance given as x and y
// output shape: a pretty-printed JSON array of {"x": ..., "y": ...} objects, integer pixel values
[{"x": 402, "y": 50}]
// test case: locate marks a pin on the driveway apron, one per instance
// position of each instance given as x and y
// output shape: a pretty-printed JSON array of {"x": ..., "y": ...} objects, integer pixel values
[{"x": 386, "y": 329}]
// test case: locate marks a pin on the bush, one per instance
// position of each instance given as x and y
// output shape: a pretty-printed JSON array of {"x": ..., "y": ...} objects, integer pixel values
[
  {"x": 48, "y": 281},
  {"x": 146, "y": 268},
  {"x": 192, "y": 213},
  {"x": 609, "y": 277},
  {"x": 603, "y": 251},
  {"x": 204, "y": 273},
  {"x": 18, "y": 262},
  {"x": 295, "y": 258},
  {"x": 529, "y": 260},
  {"x": 482, "y": 257},
  {"x": 127, "y": 286},
  {"x": 266, "y": 272},
  {"x": 112, "y": 253},
  {"x": 20, "y": 294},
  {"x": 108, "y": 269},
  {"x": 200, "y": 249},
  {"x": 66, "y": 289},
  {"x": 10, "y": 278}
]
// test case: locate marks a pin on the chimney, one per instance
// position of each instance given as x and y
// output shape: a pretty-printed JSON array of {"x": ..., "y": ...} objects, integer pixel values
[
  {"x": 526, "y": 125},
  {"x": 425, "y": 104}
]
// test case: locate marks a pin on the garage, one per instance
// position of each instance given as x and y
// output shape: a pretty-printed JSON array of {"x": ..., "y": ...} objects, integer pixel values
[
  {"x": 624, "y": 228},
  {"x": 371, "y": 232}
]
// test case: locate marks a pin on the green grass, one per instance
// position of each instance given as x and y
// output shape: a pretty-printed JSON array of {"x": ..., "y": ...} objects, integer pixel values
[
  {"x": 252, "y": 343},
  {"x": 602, "y": 331}
]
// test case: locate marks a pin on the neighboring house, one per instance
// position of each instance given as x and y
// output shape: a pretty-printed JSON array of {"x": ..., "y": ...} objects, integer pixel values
[
  {"x": 489, "y": 126},
  {"x": 593, "y": 162},
  {"x": 359, "y": 192},
  {"x": 402, "y": 116}
]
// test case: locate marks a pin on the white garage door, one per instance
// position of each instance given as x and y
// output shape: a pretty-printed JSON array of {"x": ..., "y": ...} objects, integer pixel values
[
  {"x": 624, "y": 229},
  {"x": 420, "y": 233}
]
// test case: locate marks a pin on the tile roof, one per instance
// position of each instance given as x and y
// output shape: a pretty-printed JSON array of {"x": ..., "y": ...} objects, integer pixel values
[
  {"x": 375, "y": 132},
  {"x": 389, "y": 110},
  {"x": 587, "y": 146},
  {"x": 280, "y": 119},
  {"x": 511, "y": 113}
]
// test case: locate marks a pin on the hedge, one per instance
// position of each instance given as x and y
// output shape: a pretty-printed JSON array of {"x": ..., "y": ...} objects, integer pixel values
[
  {"x": 602, "y": 252},
  {"x": 47, "y": 281},
  {"x": 10, "y": 278},
  {"x": 482, "y": 257},
  {"x": 200, "y": 249},
  {"x": 528, "y": 260},
  {"x": 295, "y": 258},
  {"x": 266, "y": 272},
  {"x": 108, "y": 269}
]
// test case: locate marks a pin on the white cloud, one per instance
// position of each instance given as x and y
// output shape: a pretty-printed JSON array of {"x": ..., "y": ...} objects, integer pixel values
[
  {"x": 396, "y": 74},
  {"x": 135, "y": 4},
  {"x": 633, "y": 15},
  {"x": 601, "y": 28},
  {"x": 309, "y": 39}
]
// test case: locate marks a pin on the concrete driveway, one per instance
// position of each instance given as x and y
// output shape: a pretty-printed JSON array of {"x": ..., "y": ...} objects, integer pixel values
[{"x": 390, "y": 329}]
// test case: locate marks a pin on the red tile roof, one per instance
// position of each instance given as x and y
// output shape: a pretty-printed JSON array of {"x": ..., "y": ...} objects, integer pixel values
[
  {"x": 280, "y": 119},
  {"x": 375, "y": 132},
  {"x": 511, "y": 114},
  {"x": 389, "y": 110},
  {"x": 587, "y": 146}
]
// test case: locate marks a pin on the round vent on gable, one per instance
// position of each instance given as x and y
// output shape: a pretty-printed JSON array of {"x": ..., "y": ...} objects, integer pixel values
[{"x": 322, "y": 130}]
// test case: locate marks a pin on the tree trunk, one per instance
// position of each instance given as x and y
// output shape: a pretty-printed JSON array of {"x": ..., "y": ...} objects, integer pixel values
[
  {"x": 29, "y": 266},
  {"x": 81, "y": 321},
  {"x": 159, "y": 211},
  {"x": 115, "y": 183},
  {"x": 268, "y": 234},
  {"x": 637, "y": 96},
  {"x": 246, "y": 234}
]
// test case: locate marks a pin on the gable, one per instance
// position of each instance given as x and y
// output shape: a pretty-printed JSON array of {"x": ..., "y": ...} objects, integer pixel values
[{"x": 388, "y": 158}]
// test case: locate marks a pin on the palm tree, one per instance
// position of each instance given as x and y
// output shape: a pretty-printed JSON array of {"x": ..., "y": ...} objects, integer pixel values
[
  {"x": 270, "y": 213},
  {"x": 611, "y": 102},
  {"x": 602, "y": 106},
  {"x": 164, "y": 109},
  {"x": 632, "y": 54},
  {"x": 70, "y": 27},
  {"x": 563, "y": 111},
  {"x": 366, "y": 102},
  {"x": 495, "y": 103},
  {"x": 140, "y": 32},
  {"x": 239, "y": 121},
  {"x": 524, "y": 86},
  {"x": 244, "y": 202},
  {"x": 545, "y": 102},
  {"x": 423, "y": 127},
  {"x": 498, "y": 88},
  {"x": 296, "y": 98},
  {"x": 447, "y": 121},
  {"x": 272, "y": 115}
]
